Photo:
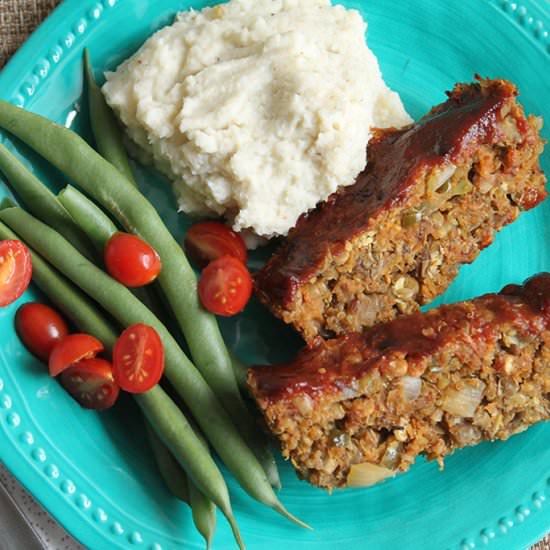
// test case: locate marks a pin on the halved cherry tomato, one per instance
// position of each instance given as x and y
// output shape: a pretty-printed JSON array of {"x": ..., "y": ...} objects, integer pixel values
[
  {"x": 15, "y": 271},
  {"x": 208, "y": 241},
  {"x": 40, "y": 328},
  {"x": 138, "y": 359},
  {"x": 131, "y": 261},
  {"x": 71, "y": 350},
  {"x": 91, "y": 383},
  {"x": 225, "y": 286}
]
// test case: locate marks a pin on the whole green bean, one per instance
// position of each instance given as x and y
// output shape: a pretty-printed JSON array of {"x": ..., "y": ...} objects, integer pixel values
[
  {"x": 173, "y": 475},
  {"x": 203, "y": 509},
  {"x": 40, "y": 201},
  {"x": 127, "y": 309},
  {"x": 98, "y": 227},
  {"x": 162, "y": 412},
  {"x": 169, "y": 422},
  {"x": 107, "y": 134},
  {"x": 204, "y": 514},
  {"x": 105, "y": 184}
]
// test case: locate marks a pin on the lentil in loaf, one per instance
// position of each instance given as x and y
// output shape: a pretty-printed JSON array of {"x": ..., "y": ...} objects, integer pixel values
[
  {"x": 432, "y": 196},
  {"x": 362, "y": 407}
]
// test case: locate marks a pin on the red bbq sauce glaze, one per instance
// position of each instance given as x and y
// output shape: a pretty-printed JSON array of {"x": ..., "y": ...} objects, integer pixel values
[
  {"x": 395, "y": 158},
  {"x": 331, "y": 365}
]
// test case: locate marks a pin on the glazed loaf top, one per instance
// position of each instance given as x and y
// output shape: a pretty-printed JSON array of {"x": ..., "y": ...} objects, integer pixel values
[
  {"x": 407, "y": 342},
  {"x": 397, "y": 158}
]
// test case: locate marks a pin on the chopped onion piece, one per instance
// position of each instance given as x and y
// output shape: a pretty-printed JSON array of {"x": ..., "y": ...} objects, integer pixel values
[
  {"x": 410, "y": 387},
  {"x": 465, "y": 401},
  {"x": 363, "y": 475},
  {"x": 304, "y": 404},
  {"x": 348, "y": 390},
  {"x": 392, "y": 455},
  {"x": 439, "y": 178}
]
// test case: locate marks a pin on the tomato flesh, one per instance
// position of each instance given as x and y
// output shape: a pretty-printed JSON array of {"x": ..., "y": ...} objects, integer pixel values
[
  {"x": 138, "y": 359},
  {"x": 91, "y": 383},
  {"x": 131, "y": 261},
  {"x": 225, "y": 286},
  {"x": 71, "y": 350},
  {"x": 40, "y": 328},
  {"x": 208, "y": 241},
  {"x": 15, "y": 271}
]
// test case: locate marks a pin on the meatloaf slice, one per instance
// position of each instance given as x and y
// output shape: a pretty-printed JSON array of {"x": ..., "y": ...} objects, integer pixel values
[
  {"x": 431, "y": 197},
  {"x": 356, "y": 409}
]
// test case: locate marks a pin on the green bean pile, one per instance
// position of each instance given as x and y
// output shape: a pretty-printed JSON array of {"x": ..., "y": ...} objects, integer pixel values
[{"x": 65, "y": 234}]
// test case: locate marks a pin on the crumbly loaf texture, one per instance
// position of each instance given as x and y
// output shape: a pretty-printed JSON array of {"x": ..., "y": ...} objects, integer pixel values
[
  {"x": 420, "y": 384},
  {"x": 430, "y": 199}
]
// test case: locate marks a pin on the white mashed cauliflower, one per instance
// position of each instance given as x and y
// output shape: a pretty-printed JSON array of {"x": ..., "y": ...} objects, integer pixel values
[{"x": 256, "y": 109}]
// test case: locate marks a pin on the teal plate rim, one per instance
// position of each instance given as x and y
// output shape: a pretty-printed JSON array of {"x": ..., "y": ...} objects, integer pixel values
[{"x": 30, "y": 456}]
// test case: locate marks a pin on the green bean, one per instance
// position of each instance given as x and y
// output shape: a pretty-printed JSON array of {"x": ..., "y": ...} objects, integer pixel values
[
  {"x": 204, "y": 514},
  {"x": 203, "y": 509},
  {"x": 92, "y": 220},
  {"x": 172, "y": 474},
  {"x": 161, "y": 412},
  {"x": 127, "y": 309},
  {"x": 169, "y": 422},
  {"x": 40, "y": 201},
  {"x": 107, "y": 134}
]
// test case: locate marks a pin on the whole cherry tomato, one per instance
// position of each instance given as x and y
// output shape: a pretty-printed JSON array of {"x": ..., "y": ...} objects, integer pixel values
[
  {"x": 40, "y": 328},
  {"x": 131, "y": 261},
  {"x": 208, "y": 241}
]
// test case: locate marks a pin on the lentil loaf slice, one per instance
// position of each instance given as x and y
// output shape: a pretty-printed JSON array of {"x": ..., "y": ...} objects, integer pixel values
[
  {"x": 431, "y": 197},
  {"x": 356, "y": 409}
]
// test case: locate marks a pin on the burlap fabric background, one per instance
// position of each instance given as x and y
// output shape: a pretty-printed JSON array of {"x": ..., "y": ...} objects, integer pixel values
[{"x": 18, "y": 18}]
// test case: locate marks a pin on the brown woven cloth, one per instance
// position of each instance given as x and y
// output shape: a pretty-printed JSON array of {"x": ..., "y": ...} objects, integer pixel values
[{"x": 18, "y": 18}]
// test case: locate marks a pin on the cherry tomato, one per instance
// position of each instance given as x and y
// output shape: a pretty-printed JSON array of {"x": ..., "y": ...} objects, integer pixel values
[
  {"x": 138, "y": 359},
  {"x": 71, "y": 350},
  {"x": 208, "y": 241},
  {"x": 15, "y": 271},
  {"x": 91, "y": 383},
  {"x": 40, "y": 328},
  {"x": 225, "y": 286},
  {"x": 131, "y": 261}
]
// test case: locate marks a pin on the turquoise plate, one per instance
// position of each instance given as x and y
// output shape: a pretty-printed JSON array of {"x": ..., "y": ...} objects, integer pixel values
[{"x": 94, "y": 473}]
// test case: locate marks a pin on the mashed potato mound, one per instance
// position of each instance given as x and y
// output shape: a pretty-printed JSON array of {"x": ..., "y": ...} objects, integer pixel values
[{"x": 256, "y": 109}]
